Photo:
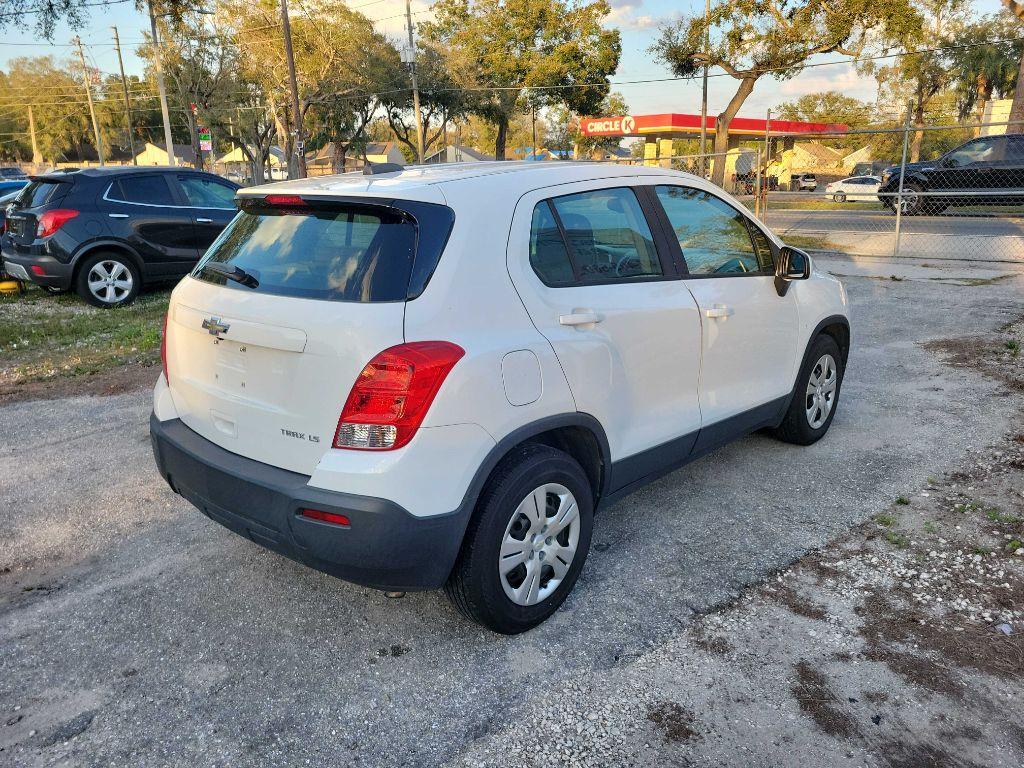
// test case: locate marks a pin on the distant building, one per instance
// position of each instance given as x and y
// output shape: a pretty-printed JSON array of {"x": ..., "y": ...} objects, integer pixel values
[
  {"x": 457, "y": 153},
  {"x": 811, "y": 156},
  {"x": 857, "y": 157},
  {"x": 323, "y": 161},
  {"x": 156, "y": 154},
  {"x": 996, "y": 111}
]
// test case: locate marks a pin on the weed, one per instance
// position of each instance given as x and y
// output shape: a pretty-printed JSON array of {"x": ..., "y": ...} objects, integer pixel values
[
  {"x": 886, "y": 519},
  {"x": 1013, "y": 345},
  {"x": 1013, "y": 546},
  {"x": 898, "y": 540},
  {"x": 997, "y": 516},
  {"x": 902, "y": 501},
  {"x": 930, "y": 527}
]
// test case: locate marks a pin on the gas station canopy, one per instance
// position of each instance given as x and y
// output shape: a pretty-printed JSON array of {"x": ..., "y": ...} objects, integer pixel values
[{"x": 673, "y": 124}]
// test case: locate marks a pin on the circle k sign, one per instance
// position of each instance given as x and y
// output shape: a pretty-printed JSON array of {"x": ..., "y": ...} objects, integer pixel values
[{"x": 609, "y": 126}]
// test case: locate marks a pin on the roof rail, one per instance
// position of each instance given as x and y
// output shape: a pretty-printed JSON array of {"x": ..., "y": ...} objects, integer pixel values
[{"x": 373, "y": 169}]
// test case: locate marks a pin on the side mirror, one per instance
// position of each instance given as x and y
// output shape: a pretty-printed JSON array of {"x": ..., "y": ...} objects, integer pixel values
[{"x": 792, "y": 264}]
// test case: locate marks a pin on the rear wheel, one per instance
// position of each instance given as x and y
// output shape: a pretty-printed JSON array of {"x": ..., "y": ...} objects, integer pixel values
[
  {"x": 526, "y": 543},
  {"x": 108, "y": 280},
  {"x": 816, "y": 395},
  {"x": 839, "y": 197},
  {"x": 912, "y": 202}
]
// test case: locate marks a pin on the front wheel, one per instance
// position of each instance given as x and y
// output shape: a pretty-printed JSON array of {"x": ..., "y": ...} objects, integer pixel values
[
  {"x": 816, "y": 394},
  {"x": 526, "y": 543},
  {"x": 839, "y": 197}
]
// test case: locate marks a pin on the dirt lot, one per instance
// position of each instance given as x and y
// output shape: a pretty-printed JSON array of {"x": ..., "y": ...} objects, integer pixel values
[{"x": 765, "y": 606}]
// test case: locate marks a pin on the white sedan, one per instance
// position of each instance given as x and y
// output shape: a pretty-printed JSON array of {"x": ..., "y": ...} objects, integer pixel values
[{"x": 862, "y": 188}]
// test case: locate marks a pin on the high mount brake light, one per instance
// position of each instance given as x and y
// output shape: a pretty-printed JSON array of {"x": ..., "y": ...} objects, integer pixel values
[
  {"x": 53, "y": 220},
  {"x": 285, "y": 201},
  {"x": 393, "y": 393}
]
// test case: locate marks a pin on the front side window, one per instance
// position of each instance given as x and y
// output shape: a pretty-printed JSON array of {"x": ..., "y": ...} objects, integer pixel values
[
  {"x": 712, "y": 234},
  {"x": 202, "y": 192},
  {"x": 978, "y": 151},
  {"x": 151, "y": 189}
]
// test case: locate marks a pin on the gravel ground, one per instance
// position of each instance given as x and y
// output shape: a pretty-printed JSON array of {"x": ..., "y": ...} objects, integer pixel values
[{"x": 135, "y": 631}]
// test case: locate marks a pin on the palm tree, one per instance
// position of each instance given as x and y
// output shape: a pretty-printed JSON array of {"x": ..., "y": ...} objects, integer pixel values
[
  {"x": 981, "y": 69},
  {"x": 1017, "y": 108}
]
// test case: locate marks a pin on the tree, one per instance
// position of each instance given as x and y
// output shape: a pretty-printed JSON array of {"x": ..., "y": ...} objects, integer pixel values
[
  {"x": 981, "y": 68},
  {"x": 563, "y": 129},
  {"x": 827, "y": 107},
  {"x": 750, "y": 39},
  {"x": 441, "y": 100},
  {"x": 202, "y": 68},
  {"x": 507, "y": 50},
  {"x": 1017, "y": 107},
  {"x": 923, "y": 71},
  {"x": 46, "y": 14}
]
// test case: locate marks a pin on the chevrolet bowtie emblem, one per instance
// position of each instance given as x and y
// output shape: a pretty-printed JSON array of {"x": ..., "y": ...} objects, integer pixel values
[{"x": 215, "y": 326}]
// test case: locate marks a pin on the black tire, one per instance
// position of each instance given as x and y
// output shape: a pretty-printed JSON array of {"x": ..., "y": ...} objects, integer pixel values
[
  {"x": 917, "y": 205},
  {"x": 115, "y": 264},
  {"x": 475, "y": 586},
  {"x": 796, "y": 426},
  {"x": 839, "y": 197}
]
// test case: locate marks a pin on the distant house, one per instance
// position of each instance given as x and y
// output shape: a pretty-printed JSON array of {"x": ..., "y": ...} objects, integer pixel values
[
  {"x": 236, "y": 155},
  {"x": 811, "y": 156},
  {"x": 858, "y": 156},
  {"x": 156, "y": 154},
  {"x": 322, "y": 161},
  {"x": 611, "y": 153},
  {"x": 996, "y": 111},
  {"x": 457, "y": 153}
]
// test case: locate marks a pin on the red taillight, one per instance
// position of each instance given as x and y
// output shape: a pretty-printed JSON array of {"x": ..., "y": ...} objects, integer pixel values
[
  {"x": 53, "y": 220},
  {"x": 392, "y": 395},
  {"x": 38, "y": 271},
  {"x": 325, "y": 517},
  {"x": 163, "y": 348},
  {"x": 286, "y": 201}
]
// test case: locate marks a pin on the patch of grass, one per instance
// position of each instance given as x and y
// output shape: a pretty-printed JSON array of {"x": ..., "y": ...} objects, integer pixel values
[
  {"x": 982, "y": 550},
  {"x": 897, "y": 539},
  {"x": 810, "y": 242},
  {"x": 1013, "y": 345},
  {"x": 996, "y": 515},
  {"x": 902, "y": 501},
  {"x": 930, "y": 527},
  {"x": 886, "y": 519},
  {"x": 1013, "y": 546},
  {"x": 44, "y": 336}
]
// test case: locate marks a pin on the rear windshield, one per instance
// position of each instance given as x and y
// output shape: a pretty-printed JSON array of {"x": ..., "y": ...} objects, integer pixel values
[
  {"x": 353, "y": 253},
  {"x": 38, "y": 193}
]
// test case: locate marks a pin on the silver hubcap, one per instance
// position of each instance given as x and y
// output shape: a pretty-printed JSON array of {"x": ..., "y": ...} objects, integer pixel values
[
  {"x": 908, "y": 202},
  {"x": 110, "y": 281},
  {"x": 821, "y": 391},
  {"x": 539, "y": 544}
]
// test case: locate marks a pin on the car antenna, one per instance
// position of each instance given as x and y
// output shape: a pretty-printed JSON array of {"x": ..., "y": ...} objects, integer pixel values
[{"x": 373, "y": 169}]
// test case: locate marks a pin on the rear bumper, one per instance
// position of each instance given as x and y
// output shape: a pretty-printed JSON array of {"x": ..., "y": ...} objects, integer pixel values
[
  {"x": 385, "y": 547},
  {"x": 56, "y": 274}
]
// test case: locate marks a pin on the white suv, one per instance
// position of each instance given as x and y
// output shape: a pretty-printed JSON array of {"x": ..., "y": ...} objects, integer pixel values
[{"x": 435, "y": 377}]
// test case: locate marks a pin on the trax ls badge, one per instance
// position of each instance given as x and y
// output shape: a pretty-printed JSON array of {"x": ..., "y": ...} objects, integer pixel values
[{"x": 215, "y": 326}]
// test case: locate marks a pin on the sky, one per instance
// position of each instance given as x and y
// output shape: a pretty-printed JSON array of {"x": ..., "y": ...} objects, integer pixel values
[{"x": 638, "y": 21}]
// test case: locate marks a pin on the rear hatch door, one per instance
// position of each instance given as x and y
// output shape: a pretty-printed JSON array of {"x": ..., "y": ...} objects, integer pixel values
[{"x": 262, "y": 367}]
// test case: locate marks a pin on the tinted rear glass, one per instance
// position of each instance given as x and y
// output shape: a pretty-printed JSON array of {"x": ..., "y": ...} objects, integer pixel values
[
  {"x": 147, "y": 190},
  {"x": 40, "y": 192},
  {"x": 343, "y": 254}
]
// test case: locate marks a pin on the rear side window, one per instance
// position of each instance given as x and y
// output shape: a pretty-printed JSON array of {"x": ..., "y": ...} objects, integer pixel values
[
  {"x": 354, "y": 253},
  {"x": 38, "y": 193},
  {"x": 592, "y": 237},
  {"x": 202, "y": 192},
  {"x": 151, "y": 189}
]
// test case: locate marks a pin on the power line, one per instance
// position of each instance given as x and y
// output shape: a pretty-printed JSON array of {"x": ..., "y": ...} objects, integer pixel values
[{"x": 13, "y": 14}]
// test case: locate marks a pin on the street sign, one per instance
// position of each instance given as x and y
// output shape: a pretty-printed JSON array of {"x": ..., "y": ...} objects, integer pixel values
[{"x": 206, "y": 145}]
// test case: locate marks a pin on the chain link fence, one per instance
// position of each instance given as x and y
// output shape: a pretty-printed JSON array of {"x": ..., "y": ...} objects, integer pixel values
[{"x": 935, "y": 191}]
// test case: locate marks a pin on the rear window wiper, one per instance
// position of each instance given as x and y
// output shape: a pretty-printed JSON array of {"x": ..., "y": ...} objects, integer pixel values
[{"x": 237, "y": 274}]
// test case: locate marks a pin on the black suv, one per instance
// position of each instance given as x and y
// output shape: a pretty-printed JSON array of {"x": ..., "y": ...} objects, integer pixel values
[
  {"x": 103, "y": 232},
  {"x": 985, "y": 171}
]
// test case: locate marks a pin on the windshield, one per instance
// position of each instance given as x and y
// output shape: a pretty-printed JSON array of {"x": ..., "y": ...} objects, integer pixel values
[{"x": 352, "y": 253}]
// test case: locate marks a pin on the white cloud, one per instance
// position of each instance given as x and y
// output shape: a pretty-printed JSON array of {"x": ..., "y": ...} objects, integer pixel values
[{"x": 839, "y": 77}]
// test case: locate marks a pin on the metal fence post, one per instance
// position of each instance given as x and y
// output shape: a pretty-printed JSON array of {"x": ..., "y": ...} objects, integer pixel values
[
  {"x": 757, "y": 185},
  {"x": 899, "y": 189},
  {"x": 767, "y": 160}
]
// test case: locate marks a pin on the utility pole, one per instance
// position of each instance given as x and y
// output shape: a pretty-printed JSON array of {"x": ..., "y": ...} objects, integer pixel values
[
  {"x": 158, "y": 60},
  {"x": 127, "y": 103},
  {"x": 704, "y": 92},
  {"x": 37, "y": 156},
  {"x": 415, "y": 85},
  {"x": 88, "y": 94},
  {"x": 300, "y": 139}
]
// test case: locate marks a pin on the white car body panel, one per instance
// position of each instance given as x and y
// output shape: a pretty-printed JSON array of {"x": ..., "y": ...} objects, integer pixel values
[{"x": 854, "y": 191}]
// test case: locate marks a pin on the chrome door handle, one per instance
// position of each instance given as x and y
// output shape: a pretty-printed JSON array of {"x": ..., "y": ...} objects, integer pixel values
[
  {"x": 580, "y": 318},
  {"x": 204, "y": 221},
  {"x": 118, "y": 215},
  {"x": 719, "y": 310}
]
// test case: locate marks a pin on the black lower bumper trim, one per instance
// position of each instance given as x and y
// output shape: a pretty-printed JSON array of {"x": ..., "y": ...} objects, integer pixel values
[{"x": 384, "y": 547}]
